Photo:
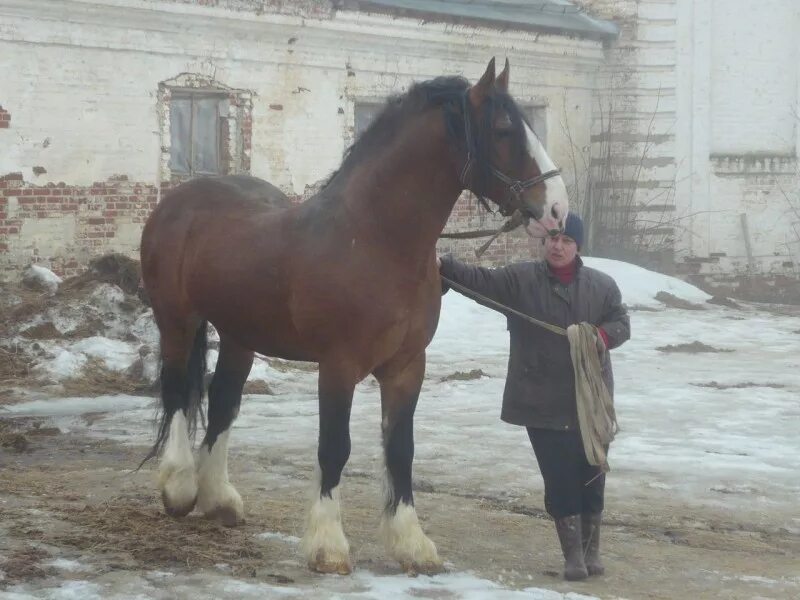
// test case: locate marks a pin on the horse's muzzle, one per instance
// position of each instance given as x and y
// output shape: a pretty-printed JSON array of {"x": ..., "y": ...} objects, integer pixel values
[{"x": 532, "y": 212}]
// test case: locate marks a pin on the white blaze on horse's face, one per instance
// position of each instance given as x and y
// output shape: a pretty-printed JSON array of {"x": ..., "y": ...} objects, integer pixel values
[{"x": 556, "y": 199}]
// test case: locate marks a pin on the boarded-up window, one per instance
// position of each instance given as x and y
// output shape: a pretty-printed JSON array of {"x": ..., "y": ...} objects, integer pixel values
[
  {"x": 537, "y": 117},
  {"x": 365, "y": 113},
  {"x": 195, "y": 132}
]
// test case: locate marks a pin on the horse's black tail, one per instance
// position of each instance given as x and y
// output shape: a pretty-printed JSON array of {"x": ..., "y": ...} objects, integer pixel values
[
  {"x": 195, "y": 379},
  {"x": 182, "y": 392}
]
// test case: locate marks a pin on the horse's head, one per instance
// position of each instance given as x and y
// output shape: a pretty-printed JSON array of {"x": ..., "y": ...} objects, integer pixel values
[{"x": 505, "y": 161}]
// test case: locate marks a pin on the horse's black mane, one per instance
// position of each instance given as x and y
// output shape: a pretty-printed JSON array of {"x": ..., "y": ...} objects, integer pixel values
[{"x": 447, "y": 93}]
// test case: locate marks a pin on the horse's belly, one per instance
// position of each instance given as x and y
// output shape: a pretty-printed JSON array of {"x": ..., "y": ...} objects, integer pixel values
[{"x": 268, "y": 332}]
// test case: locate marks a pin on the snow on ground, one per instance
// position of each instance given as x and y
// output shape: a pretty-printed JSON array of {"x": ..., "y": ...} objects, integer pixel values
[
  {"x": 38, "y": 276},
  {"x": 362, "y": 585},
  {"x": 640, "y": 286},
  {"x": 694, "y": 445}
]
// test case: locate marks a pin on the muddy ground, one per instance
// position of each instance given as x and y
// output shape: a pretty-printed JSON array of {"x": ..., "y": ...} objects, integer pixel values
[{"x": 63, "y": 495}]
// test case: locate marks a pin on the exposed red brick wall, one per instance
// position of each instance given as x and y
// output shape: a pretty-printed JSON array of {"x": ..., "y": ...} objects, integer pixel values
[
  {"x": 469, "y": 215},
  {"x": 5, "y": 118},
  {"x": 99, "y": 209}
]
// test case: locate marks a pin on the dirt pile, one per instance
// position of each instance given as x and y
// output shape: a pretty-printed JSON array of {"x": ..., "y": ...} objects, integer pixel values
[{"x": 87, "y": 333}]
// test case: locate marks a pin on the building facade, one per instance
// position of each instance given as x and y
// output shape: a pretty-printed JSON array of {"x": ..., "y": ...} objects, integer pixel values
[
  {"x": 675, "y": 121},
  {"x": 697, "y": 134},
  {"x": 109, "y": 102}
]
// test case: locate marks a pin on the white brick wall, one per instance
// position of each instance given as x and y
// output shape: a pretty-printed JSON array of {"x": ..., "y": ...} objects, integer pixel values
[
  {"x": 716, "y": 83},
  {"x": 738, "y": 101},
  {"x": 754, "y": 76}
]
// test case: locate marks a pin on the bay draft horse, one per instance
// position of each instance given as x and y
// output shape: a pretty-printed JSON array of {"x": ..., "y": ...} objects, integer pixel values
[{"x": 347, "y": 279}]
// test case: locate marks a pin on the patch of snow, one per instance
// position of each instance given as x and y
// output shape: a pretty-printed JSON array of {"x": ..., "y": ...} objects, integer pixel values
[
  {"x": 45, "y": 277},
  {"x": 64, "y": 365},
  {"x": 64, "y": 564},
  {"x": 362, "y": 585},
  {"x": 276, "y": 535},
  {"x": 464, "y": 586},
  {"x": 151, "y": 366},
  {"x": 77, "y": 406},
  {"x": 70, "y": 358},
  {"x": 107, "y": 297},
  {"x": 117, "y": 355},
  {"x": 146, "y": 330},
  {"x": 639, "y": 286}
]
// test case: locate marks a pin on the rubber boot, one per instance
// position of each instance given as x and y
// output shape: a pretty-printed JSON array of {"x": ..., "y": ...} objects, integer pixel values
[
  {"x": 590, "y": 527},
  {"x": 569, "y": 534}
]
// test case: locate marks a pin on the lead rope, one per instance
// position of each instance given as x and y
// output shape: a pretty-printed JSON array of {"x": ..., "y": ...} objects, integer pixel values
[{"x": 476, "y": 296}]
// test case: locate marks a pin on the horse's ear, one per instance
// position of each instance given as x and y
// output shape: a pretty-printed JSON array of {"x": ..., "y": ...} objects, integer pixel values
[
  {"x": 502, "y": 80},
  {"x": 479, "y": 91}
]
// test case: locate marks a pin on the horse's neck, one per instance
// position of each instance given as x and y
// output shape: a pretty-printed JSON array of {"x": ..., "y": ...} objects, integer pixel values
[{"x": 406, "y": 193}]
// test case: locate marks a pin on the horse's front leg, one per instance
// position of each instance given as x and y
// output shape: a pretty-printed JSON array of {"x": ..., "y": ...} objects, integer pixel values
[
  {"x": 400, "y": 527},
  {"x": 324, "y": 544}
]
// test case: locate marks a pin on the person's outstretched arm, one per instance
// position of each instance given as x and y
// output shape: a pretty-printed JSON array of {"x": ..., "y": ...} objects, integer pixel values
[{"x": 499, "y": 284}]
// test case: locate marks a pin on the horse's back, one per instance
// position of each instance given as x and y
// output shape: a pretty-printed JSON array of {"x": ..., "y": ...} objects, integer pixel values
[
  {"x": 230, "y": 190},
  {"x": 212, "y": 198},
  {"x": 257, "y": 189},
  {"x": 202, "y": 212}
]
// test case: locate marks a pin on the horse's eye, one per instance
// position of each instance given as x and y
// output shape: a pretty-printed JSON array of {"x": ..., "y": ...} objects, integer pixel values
[{"x": 503, "y": 133}]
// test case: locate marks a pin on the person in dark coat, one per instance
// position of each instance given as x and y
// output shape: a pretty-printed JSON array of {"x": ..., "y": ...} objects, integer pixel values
[{"x": 540, "y": 385}]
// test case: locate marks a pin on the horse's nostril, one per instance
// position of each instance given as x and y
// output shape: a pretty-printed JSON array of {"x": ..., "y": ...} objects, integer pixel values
[{"x": 554, "y": 212}]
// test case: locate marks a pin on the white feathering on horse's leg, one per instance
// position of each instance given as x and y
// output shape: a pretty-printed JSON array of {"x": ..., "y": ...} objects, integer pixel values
[
  {"x": 217, "y": 498},
  {"x": 176, "y": 476},
  {"x": 407, "y": 543},
  {"x": 324, "y": 544},
  {"x": 403, "y": 536}
]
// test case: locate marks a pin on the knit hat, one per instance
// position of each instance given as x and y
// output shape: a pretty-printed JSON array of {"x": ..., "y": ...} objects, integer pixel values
[{"x": 574, "y": 228}]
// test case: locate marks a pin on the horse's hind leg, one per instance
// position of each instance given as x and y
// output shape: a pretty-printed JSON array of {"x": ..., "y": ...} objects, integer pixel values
[
  {"x": 324, "y": 544},
  {"x": 217, "y": 498},
  {"x": 400, "y": 527},
  {"x": 182, "y": 370}
]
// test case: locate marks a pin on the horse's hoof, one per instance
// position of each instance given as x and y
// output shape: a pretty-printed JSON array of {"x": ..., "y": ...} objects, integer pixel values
[
  {"x": 226, "y": 515},
  {"x": 321, "y": 564},
  {"x": 177, "y": 510},
  {"x": 221, "y": 503},
  {"x": 422, "y": 568}
]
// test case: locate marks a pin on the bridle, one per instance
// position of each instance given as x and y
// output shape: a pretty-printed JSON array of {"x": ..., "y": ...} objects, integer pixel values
[{"x": 515, "y": 186}]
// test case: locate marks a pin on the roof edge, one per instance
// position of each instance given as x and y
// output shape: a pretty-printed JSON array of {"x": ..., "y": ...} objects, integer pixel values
[{"x": 592, "y": 27}]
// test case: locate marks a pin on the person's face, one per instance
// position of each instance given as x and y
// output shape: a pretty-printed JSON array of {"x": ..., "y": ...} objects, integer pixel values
[{"x": 560, "y": 250}]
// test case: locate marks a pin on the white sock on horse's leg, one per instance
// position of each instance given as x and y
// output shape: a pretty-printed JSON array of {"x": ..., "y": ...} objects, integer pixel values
[
  {"x": 324, "y": 544},
  {"x": 217, "y": 498},
  {"x": 403, "y": 536},
  {"x": 176, "y": 477}
]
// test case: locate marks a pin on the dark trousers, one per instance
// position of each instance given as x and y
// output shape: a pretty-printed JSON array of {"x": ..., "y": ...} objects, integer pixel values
[{"x": 571, "y": 485}]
